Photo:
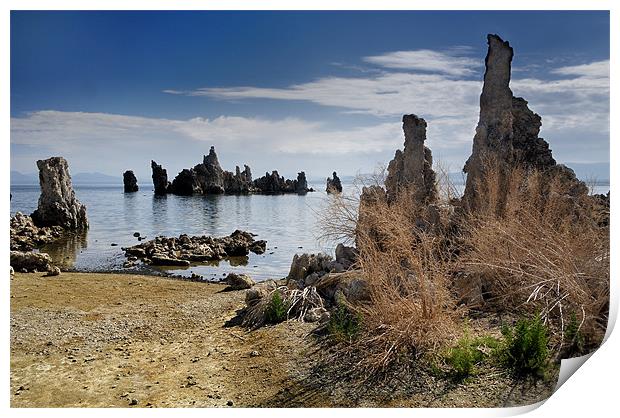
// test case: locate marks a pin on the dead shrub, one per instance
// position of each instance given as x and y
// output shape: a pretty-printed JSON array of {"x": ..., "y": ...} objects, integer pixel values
[
  {"x": 411, "y": 309},
  {"x": 281, "y": 304},
  {"x": 539, "y": 248}
]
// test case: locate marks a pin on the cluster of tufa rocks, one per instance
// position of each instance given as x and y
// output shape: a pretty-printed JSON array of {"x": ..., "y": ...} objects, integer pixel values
[
  {"x": 185, "y": 249},
  {"x": 26, "y": 236},
  {"x": 506, "y": 138},
  {"x": 57, "y": 213},
  {"x": 319, "y": 276},
  {"x": 29, "y": 262},
  {"x": 209, "y": 178},
  {"x": 331, "y": 278}
]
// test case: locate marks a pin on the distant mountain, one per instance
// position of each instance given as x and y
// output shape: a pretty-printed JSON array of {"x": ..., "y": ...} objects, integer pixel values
[
  {"x": 18, "y": 178},
  {"x": 95, "y": 178},
  {"x": 24, "y": 179}
]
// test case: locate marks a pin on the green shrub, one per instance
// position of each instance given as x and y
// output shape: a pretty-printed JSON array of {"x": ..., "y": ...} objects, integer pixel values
[
  {"x": 573, "y": 338},
  {"x": 276, "y": 310},
  {"x": 344, "y": 325},
  {"x": 525, "y": 349},
  {"x": 468, "y": 352}
]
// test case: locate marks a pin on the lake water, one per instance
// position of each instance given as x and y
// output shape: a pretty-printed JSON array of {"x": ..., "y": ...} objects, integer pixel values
[{"x": 289, "y": 223}]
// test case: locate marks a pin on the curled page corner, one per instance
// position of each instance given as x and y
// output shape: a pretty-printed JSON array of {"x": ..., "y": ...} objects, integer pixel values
[
  {"x": 519, "y": 410},
  {"x": 568, "y": 367}
]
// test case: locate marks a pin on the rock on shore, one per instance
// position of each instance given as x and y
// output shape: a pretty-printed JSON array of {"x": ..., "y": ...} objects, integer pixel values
[
  {"x": 25, "y": 235},
  {"x": 239, "y": 281},
  {"x": 27, "y": 262},
  {"x": 186, "y": 249},
  {"x": 57, "y": 202}
]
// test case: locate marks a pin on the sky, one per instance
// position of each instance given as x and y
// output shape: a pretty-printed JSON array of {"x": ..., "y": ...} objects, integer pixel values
[{"x": 292, "y": 91}]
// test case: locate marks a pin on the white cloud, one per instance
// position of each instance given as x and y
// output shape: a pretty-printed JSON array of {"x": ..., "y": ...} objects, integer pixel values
[
  {"x": 426, "y": 60},
  {"x": 290, "y": 135},
  {"x": 262, "y": 143},
  {"x": 580, "y": 99},
  {"x": 573, "y": 104},
  {"x": 388, "y": 94},
  {"x": 598, "y": 69}
]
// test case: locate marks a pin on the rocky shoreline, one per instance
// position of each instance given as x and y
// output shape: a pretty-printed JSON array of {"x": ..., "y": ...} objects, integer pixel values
[{"x": 185, "y": 249}]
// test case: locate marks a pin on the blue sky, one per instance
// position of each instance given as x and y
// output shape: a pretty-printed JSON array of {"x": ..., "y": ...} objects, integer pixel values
[{"x": 313, "y": 91}]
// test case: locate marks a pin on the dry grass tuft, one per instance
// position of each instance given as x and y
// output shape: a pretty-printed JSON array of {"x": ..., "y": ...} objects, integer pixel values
[
  {"x": 539, "y": 250},
  {"x": 411, "y": 309}
]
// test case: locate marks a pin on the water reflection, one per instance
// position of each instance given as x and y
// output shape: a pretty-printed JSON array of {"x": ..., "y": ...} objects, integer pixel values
[
  {"x": 65, "y": 251},
  {"x": 210, "y": 213},
  {"x": 129, "y": 205},
  {"x": 160, "y": 213}
]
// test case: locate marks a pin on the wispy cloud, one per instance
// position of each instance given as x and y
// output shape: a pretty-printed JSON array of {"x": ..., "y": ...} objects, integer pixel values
[
  {"x": 579, "y": 98},
  {"x": 598, "y": 69},
  {"x": 387, "y": 94},
  {"x": 85, "y": 137},
  {"x": 289, "y": 135},
  {"x": 448, "y": 63},
  {"x": 573, "y": 101}
]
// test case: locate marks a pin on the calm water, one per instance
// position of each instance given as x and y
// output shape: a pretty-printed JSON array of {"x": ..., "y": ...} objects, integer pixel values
[{"x": 287, "y": 222}]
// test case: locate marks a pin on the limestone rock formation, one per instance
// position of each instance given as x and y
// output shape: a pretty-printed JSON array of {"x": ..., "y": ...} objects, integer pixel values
[
  {"x": 160, "y": 179},
  {"x": 186, "y": 183},
  {"x": 412, "y": 168},
  {"x": 25, "y": 235},
  {"x": 210, "y": 174},
  {"x": 302, "y": 184},
  {"x": 306, "y": 264},
  {"x": 238, "y": 183},
  {"x": 208, "y": 177},
  {"x": 130, "y": 182},
  {"x": 346, "y": 256},
  {"x": 333, "y": 184},
  {"x": 275, "y": 184},
  {"x": 370, "y": 196},
  {"x": 507, "y": 132},
  {"x": 57, "y": 202},
  {"x": 27, "y": 262},
  {"x": 270, "y": 183}
]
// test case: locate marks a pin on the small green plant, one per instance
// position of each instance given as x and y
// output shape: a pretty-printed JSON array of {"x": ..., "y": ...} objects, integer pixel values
[
  {"x": 573, "y": 338},
  {"x": 275, "y": 312},
  {"x": 468, "y": 352},
  {"x": 525, "y": 349},
  {"x": 344, "y": 325}
]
